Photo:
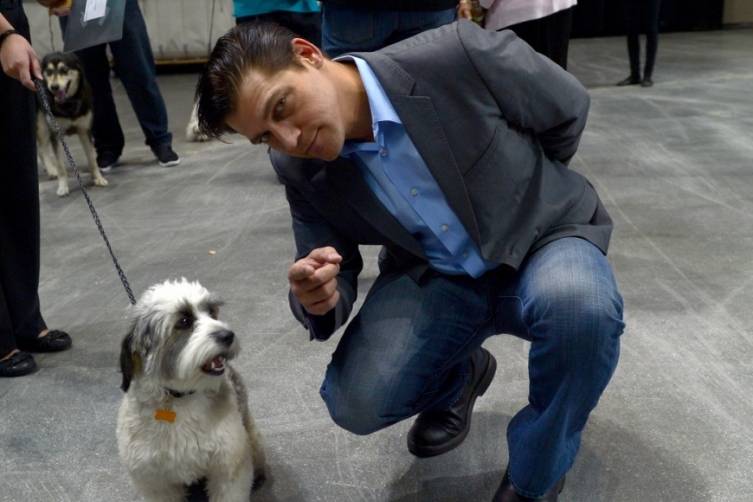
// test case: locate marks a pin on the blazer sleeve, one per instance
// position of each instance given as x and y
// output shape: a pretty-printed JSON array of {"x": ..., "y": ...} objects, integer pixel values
[
  {"x": 311, "y": 231},
  {"x": 532, "y": 92}
]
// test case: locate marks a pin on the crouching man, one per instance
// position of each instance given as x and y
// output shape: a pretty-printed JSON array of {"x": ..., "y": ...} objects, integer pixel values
[{"x": 450, "y": 149}]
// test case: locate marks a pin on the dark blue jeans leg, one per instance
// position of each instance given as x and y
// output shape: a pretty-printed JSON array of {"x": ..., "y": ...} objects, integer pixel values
[
  {"x": 347, "y": 29},
  {"x": 566, "y": 302},
  {"x": 134, "y": 65},
  {"x": 406, "y": 351},
  {"x": 106, "y": 130}
]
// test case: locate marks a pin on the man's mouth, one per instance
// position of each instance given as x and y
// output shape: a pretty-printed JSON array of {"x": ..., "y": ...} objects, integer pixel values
[
  {"x": 215, "y": 366},
  {"x": 313, "y": 142}
]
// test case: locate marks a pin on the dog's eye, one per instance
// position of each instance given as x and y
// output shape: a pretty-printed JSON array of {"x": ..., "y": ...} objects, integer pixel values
[
  {"x": 63, "y": 71},
  {"x": 184, "y": 322},
  {"x": 214, "y": 312}
]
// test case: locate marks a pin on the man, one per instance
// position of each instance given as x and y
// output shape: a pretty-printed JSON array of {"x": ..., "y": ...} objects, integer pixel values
[{"x": 450, "y": 150}]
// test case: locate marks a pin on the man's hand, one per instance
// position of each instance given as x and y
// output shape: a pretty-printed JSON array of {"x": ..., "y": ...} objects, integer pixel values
[
  {"x": 58, "y": 7},
  {"x": 19, "y": 60},
  {"x": 313, "y": 280},
  {"x": 465, "y": 10}
]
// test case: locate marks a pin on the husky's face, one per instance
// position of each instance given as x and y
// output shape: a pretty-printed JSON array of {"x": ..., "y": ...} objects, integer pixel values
[
  {"x": 176, "y": 339},
  {"x": 62, "y": 75}
]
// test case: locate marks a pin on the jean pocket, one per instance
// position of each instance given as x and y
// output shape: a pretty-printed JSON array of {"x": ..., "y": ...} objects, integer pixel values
[{"x": 349, "y": 26}]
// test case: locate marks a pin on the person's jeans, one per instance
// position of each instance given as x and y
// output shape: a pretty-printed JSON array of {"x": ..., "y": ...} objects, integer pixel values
[
  {"x": 134, "y": 65},
  {"x": 347, "y": 29},
  {"x": 408, "y": 351}
]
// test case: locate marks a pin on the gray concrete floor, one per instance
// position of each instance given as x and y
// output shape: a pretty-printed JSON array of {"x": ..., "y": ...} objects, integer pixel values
[{"x": 673, "y": 164}]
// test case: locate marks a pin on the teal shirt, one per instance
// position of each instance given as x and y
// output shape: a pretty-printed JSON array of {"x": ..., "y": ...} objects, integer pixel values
[{"x": 243, "y": 8}]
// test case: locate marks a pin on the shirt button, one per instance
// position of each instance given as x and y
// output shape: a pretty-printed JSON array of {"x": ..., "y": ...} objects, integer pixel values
[
  {"x": 383, "y": 152},
  {"x": 444, "y": 227},
  {"x": 413, "y": 192}
]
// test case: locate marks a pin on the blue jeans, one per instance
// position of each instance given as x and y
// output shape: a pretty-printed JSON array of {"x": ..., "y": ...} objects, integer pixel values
[
  {"x": 134, "y": 66},
  {"x": 408, "y": 351},
  {"x": 346, "y": 29}
]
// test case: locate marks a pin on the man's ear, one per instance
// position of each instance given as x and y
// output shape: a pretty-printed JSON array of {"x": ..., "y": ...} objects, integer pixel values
[{"x": 306, "y": 52}]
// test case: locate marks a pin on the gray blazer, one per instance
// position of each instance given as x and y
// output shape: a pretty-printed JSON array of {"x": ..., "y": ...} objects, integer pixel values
[{"x": 496, "y": 124}]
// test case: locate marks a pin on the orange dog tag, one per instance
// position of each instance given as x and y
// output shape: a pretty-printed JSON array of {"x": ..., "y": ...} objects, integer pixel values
[{"x": 165, "y": 415}]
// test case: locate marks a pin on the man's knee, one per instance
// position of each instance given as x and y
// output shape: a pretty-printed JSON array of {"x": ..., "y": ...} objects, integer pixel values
[{"x": 352, "y": 407}]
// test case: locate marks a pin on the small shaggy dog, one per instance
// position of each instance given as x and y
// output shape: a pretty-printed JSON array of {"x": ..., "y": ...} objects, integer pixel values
[
  {"x": 184, "y": 417},
  {"x": 71, "y": 104}
]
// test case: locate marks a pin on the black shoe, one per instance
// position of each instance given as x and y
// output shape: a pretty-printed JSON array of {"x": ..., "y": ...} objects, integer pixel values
[
  {"x": 106, "y": 161},
  {"x": 631, "y": 80},
  {"x": 53, "y": 341},
  {"x": 437, "y": 432},
  {"x": 166, "y": 156},
  {"x": 506, "y": 492},
  {"x": 647, "y": 82},
  {"x": 19, "y": 364}
]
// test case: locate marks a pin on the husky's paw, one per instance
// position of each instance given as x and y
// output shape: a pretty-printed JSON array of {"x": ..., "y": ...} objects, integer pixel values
[
  {"x": 63, "y": 190},
  {"x": 100, "y": 181}
]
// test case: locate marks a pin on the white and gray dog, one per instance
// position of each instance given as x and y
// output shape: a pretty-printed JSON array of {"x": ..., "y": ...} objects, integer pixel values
[{"x": 184, "y": 417}]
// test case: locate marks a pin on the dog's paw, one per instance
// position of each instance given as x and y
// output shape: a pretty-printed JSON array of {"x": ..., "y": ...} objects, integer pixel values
[
  {"x": 100, "y": 181},
  {"x": 52, "y": 176},
  {"x": 63, "y": 191},
  {"x": 193, "y": 134}
]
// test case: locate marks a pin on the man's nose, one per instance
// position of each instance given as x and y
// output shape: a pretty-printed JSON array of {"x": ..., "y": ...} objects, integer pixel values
[{"x": 288, "y": 136}]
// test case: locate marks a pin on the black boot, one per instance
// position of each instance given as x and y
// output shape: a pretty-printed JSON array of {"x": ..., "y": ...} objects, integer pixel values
[
  {"x": 506, "y": 492},
  {"x": 631, "y": 80},
  {"x": 437, "y": 432}
]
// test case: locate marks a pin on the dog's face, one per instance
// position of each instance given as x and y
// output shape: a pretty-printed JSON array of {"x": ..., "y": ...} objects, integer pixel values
[
  {"x": 176, "y": 339},
  {"x": 62, "y": 75}
]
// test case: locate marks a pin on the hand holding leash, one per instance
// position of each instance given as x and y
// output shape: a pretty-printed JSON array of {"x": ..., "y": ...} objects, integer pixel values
[
  {"x": 313, "y": 280},
  {"x": 18, "y": 59}
]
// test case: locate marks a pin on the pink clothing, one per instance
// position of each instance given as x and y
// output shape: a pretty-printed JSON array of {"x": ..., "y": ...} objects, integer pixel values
[{"x": 504, "y": 13}]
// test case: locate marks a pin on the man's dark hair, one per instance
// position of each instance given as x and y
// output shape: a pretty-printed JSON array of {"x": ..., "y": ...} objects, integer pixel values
[{"x": 262, "y": 46}]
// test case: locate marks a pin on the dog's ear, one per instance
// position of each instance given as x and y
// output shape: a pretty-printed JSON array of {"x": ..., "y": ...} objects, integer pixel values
[{"x": 130, "y": 361}]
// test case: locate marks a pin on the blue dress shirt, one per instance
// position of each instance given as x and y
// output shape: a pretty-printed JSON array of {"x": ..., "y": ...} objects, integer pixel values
[{"x": 399, "y": 177}]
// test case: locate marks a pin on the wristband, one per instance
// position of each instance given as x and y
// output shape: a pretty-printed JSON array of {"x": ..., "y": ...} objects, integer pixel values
[{"x": 6, "y": 34}]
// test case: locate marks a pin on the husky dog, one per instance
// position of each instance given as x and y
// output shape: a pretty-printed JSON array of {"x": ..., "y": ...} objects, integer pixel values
[
  {"x": 192, "y": 128},
  {"x": 184, "y": 417},
  {"x": 71, "y": 103}
]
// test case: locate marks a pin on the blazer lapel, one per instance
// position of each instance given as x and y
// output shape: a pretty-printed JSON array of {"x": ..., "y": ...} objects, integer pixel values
[
  {"x": 425, "y": 130},
  {"x": 346, "y": 179}
]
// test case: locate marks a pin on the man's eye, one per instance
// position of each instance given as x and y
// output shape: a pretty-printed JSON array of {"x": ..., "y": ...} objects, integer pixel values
[{"x": 280, "y": 107}]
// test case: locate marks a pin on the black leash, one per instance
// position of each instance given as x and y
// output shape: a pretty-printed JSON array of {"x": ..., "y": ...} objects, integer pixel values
[{"x": 56, "y": 128}]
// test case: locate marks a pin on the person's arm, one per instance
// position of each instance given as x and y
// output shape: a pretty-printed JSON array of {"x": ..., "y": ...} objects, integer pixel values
[
  {"x": 57, "y": 7},
  {"x": 312, "y": 232},
  {"x": 531, "y": 91},
  {"x": 17, "y": 58}
]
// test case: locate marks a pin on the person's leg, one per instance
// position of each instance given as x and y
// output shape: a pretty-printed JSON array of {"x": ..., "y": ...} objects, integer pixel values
[
  {"x": 414, "y": 22},
  {"x": 633, "y": 25},
  {"x": 651, "y": 14},
  {"x": 19, "y": 209},
  {"x": 565, "y": 300},
  {"x": 406, "y": 351},
  {"x": 108, "y": 135},
  {"x": 555, "y": 35},
  {"x": 134, "y": 65},
  {"x": 346, "y": 29}
]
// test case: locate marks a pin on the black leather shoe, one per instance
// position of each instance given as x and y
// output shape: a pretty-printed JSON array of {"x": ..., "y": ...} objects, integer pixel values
[
  {"x": 437, "y": 432},
  {"x": 647, "y": 82},
  {"x": 19, "y": 364},
  {"x": 506, "y": 492},
  {"x": 631, "y": 80},
  {"x": 53, "y": 341}
]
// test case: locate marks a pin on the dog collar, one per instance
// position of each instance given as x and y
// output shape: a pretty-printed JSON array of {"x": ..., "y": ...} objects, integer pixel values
[{"x": 176, "y": 394}]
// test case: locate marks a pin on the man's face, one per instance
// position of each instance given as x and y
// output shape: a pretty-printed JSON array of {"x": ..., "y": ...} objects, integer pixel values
[{"x": 295, "y": 111}]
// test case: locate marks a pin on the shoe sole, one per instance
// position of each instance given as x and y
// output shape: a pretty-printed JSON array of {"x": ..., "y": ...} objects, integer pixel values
[
  {"x": 170, "y": 163},
  {"x": 483, "y": 384}
]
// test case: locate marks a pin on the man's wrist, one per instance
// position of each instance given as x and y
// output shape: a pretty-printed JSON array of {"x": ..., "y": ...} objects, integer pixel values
[{"x": 7, "y": 33}]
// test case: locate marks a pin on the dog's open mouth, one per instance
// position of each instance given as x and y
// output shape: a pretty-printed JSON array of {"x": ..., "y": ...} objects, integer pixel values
[
  {"x": 60, "y": 96},
  {"x": 215, "y": 366}
]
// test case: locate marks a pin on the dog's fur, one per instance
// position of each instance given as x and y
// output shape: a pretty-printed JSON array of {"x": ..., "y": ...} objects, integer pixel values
[
  {"x": 71, "y": 103},
  {"x": 177, "y": 345},
  {"x": 193, "y": 133}
]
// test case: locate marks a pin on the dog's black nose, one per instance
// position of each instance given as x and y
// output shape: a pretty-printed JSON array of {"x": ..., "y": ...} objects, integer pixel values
[
  {"x": 225, "y": 336},
  {"x": 54, "y": 87}
]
